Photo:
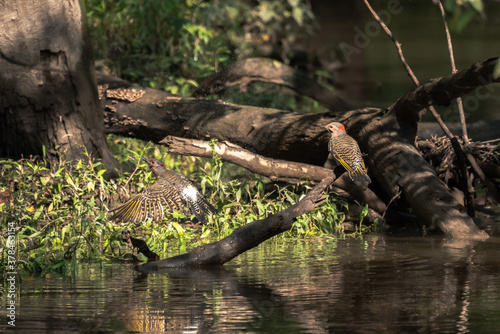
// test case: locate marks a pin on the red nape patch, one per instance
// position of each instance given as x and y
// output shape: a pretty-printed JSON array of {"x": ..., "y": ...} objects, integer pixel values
[
  {"x": 341, "y": 127},
  {"x": 163, "y": 166}
]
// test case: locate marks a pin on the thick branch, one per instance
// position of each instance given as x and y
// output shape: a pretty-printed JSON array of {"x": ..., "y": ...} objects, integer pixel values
[
  {"x": 227, "y": 151},
  {"x": 272, "y": 168},
  {"x": 245, "y": 237},
  {"x": 442, "y": 91},
  {"x": 400, "y": 167},
  {"x": 270, "y": 132},
  {"x": 248, "y": 70}
]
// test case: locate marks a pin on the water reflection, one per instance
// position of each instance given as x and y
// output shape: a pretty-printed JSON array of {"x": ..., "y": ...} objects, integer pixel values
[{"x": 378, "y": 284}]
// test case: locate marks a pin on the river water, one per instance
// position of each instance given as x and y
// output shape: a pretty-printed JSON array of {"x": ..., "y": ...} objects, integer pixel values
[{"x": 372, "y": 284}]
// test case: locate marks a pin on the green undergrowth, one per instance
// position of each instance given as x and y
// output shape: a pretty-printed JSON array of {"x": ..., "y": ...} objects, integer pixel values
[
  {"x": 175, "y": 45},
  {"x": 60, "y": 210}
]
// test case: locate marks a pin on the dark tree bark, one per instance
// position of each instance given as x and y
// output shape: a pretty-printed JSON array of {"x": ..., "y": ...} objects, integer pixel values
[{"x": 48, "y": 95}]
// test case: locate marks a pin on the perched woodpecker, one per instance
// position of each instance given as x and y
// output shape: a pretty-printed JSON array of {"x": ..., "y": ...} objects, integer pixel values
[
  {"x": 346, "y": 151},
  {"x": 169, "y": 191}
]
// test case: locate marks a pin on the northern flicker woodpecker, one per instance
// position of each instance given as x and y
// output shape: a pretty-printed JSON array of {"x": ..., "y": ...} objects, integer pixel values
[
  {"x": 169, "y": 191},
  {"x": 346, "y": 151}
]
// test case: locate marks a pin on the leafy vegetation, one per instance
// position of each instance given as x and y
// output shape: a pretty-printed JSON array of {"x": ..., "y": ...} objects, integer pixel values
[
  {"x": 60, "y": 209},
  {"x": 462, "y": 12},
  {"x": 173, "y": 45}
]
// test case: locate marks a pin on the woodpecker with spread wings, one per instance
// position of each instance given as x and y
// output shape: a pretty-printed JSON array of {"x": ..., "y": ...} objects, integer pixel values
[{"x": 171, "y": 190}]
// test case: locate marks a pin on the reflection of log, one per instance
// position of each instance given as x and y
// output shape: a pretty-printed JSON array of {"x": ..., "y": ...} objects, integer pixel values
[
  {"x": 272, "y": 168},
  {"x": 387, "y": 137},
  {"x": 245, "y": 237}
]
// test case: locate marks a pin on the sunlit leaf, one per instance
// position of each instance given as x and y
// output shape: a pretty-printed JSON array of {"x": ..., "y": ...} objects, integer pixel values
[
  {"x": 476, "y": 4},
  {"x": 496, "y": 70},
  {"x": 70, "y": 181},
  {"x": 37, "y": 213},
  {"x": 238, "y": 195},
  {"x": 298, "y": 15}
]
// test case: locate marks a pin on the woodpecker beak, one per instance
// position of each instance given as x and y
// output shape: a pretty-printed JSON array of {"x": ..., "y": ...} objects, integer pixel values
[{"x": 147, "y": 161}]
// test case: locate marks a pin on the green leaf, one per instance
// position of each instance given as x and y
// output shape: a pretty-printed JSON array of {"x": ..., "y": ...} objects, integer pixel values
[
  {"x": 298, "y": 15},
  {"x": 363, "y": 214},
  {"x": 38, "y": 213},
  {"x": 59, "y": 264},
  {"x": 179, "y": 230},
  {"x": 238, "y": 195},
  {"x": 290, "y": 199},
  {"x": 464, "y": 19},
  {"x": 265, "y": 14},
  {"x": 261, "y": 208},
  {"x": 476, "y": 4},
  {"x": 496, "y": 70}
]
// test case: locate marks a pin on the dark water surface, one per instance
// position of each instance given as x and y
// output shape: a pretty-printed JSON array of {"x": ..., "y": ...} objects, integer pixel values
[
  {"x": 373, "y": 74},
  {"x": 369, "y": 285}
]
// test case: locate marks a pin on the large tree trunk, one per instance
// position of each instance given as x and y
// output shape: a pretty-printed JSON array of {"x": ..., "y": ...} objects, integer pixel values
[{"x": 48, "y": 95}]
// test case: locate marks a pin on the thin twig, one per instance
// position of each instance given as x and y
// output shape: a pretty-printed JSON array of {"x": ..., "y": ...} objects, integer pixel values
[
  {"x": 455, "y": 143},
  {"x": 398, "y": 45},
  {"x": 472, "y": 160},
  {"x": 467, "y": 186},
  {"x": 433, "y": 110},
  {"x": 454, "y": 70}
]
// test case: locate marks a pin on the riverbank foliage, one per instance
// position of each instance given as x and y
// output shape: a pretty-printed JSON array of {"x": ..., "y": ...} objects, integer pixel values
[
  {"x": 60, "y": 210},
  {"x": 174, "y": 45}
]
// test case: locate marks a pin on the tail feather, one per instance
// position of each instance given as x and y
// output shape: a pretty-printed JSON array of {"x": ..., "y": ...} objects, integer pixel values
[
  {"x": 205, "y": 205},
  {"x": 196, "y": 209},
  {"x": 200, "y": 206},
  {"x": 360, "y": 175}
]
